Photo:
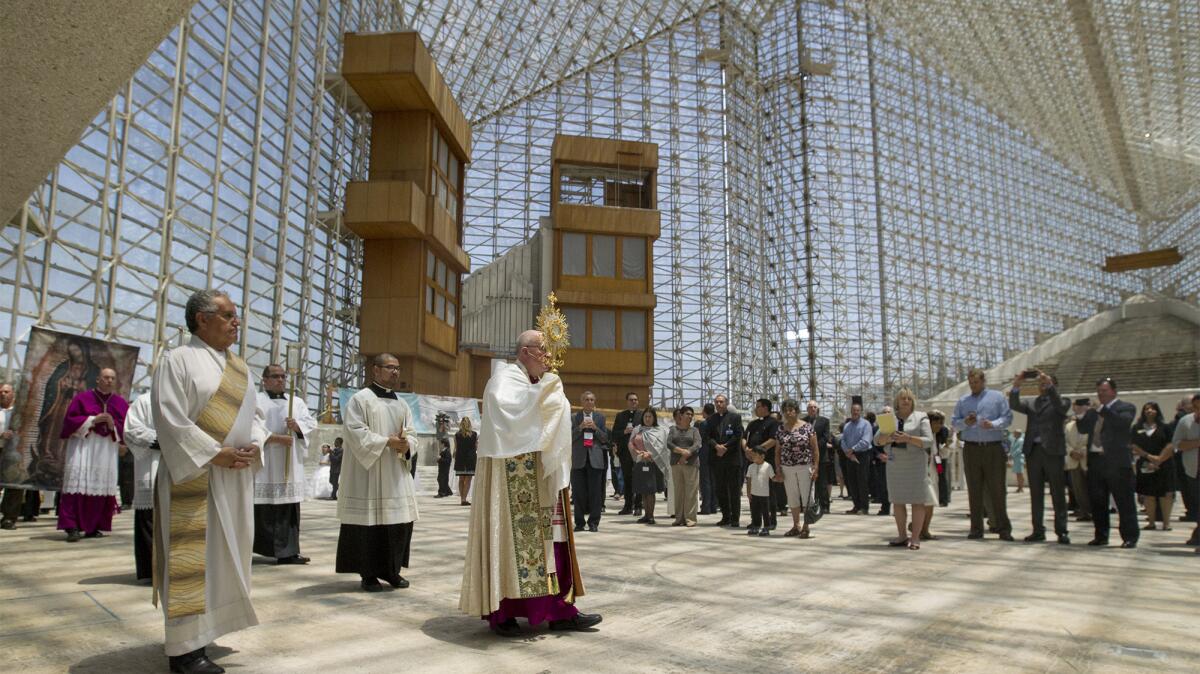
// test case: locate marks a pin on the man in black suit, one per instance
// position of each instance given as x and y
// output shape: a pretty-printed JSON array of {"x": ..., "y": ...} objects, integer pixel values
[
  {"x": 726, "y": 431},
  {"x": 1045, "y": 452},
  {"x": 826, "y": 471},
  {"x": 589, "y": 441},
  {"x": 623, "y": 426},
  {"x": 1110, "y": 463},
  {"x": 708, "y": 492}
]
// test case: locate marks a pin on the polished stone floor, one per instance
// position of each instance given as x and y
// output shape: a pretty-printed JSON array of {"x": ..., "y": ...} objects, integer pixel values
[{"x": 673, "y": 600}]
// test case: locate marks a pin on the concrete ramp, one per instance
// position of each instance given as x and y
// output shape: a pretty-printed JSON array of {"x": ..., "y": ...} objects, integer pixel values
[{"x": 60, "y": 64}]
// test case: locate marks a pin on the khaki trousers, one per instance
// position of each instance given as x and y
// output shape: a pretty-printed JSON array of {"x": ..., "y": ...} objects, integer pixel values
[{"x": 685, "y": 488}]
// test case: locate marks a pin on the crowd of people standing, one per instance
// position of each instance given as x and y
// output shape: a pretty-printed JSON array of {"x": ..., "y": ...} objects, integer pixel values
[{"x": 1091, "y": 455}]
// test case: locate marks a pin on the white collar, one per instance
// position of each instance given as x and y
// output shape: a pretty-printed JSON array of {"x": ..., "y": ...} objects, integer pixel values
[{"x": 201, "y": 344}]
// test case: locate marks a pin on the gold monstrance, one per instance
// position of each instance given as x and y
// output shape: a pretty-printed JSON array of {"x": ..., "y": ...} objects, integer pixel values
[
  {"x": 553, "y": 325},
  {"x": 555, "y": 339}
]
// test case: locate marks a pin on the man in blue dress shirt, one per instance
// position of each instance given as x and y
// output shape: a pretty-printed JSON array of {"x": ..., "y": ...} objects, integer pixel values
[
  {"x": 856, "y": 443},
  {"x": 982, "y": 415}
]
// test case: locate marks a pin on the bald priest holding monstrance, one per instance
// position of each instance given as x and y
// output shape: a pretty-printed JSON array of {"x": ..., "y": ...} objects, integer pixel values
[{"x": 520, "y": 560}]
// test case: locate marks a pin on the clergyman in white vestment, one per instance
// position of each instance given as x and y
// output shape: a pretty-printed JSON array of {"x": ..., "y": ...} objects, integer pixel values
[
  {"x": 520, "y": 560},
  {"x": 141, "y": 439},
  {"x": 377, "y": 502},
  {"x": 280, "y": 486},
  {"x": 211, "y": 431}
]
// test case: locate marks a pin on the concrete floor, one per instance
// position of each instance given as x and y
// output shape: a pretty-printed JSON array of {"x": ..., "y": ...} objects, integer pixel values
[{"x": 673, "y": 600}]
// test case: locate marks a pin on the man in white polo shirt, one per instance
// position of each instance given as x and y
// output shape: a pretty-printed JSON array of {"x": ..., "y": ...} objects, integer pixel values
[{"x": 1187, "y": 445}]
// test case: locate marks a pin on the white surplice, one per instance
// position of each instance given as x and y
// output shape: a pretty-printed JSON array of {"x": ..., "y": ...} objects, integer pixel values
[
  {"x": 91, "y": 465},
  {"x": 185, "y": 380},
  {"x": 139, "y": 436},
  {"x": 376, "y": 486},
  {"x": 272, "y": 484},
  {"x": 519, "y": 417}
]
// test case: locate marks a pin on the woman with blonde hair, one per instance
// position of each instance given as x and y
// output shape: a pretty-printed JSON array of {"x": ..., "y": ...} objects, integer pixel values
[
  {"x": 466, "y": 443},
  {"x": 910, "y": 465}
]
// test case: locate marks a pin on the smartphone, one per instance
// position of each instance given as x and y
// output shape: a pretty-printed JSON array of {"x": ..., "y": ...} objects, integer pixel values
[{"x": 1031, "y": 374}]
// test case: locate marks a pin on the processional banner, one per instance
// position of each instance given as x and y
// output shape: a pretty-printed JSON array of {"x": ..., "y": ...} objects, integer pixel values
[{"x": 57, "y": 366}]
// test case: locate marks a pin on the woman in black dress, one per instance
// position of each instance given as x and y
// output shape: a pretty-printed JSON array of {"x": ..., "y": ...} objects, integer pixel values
[
  {"x": 465, "y": 445},
  {"x": 1155, "y": 467}
]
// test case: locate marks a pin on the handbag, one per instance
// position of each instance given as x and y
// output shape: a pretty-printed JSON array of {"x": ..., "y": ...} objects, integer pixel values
[{"x": 812, "y": 513}]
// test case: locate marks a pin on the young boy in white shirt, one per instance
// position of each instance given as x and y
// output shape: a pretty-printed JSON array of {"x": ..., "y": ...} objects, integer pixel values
[{"x": 759, "y": 475}]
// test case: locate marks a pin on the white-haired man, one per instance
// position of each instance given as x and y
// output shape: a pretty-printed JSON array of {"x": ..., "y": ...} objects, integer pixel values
[{"x": 520, "y": 560}]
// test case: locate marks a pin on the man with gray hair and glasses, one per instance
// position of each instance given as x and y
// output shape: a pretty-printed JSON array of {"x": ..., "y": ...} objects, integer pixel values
[{"x": 210, "y": 432}]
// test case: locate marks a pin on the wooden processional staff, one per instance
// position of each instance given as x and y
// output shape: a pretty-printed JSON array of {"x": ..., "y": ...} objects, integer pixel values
[{"x": 292, "y": 363}]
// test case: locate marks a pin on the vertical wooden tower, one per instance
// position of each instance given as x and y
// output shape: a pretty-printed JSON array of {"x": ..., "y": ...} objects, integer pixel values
[
  {"x": 409, "y": 212},
  {"x": 604, "y": 223}
]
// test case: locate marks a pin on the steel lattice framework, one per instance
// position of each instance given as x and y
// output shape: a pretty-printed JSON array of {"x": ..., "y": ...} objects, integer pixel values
[{"x": 855, "y": 194}]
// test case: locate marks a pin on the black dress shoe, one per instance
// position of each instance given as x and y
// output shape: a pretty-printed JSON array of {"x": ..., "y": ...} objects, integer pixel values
[
  {"x": 508, "y": 628},
  {"x": 196, "y": 662},
  {"x": 975, "y": 535},
  {"x": 371, "y": 585},
  {"x": 1009, "y": 537},
  {"x": 96, "y": 534},
  {"x": 1129, "y": 544},
  {"x": 8, "y": 524},
  {"x": 1097, "y": 542},
  {"x": 581, "y": 621},
  {"x": 625, "y": 511},
  {"x": 295, "y": 559},
  {"x": 578, "y": 527},
  {"x": 1064, "y": 539},
  {"x": 1035, "y": 538},
  {"x": 643, "y": 520},
  {"x": 734, "y": 525},
  {"x": 593, "y": 528},
  {"x": 397, "y": 581},
  {"x": 73, "y": 535}
]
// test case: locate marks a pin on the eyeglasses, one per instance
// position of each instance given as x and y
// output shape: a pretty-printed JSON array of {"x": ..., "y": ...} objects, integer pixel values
[
  {"x": 227, "y": 316},
  {"x": 389, "y": 368},
  {"x": 275, "y": 376}
]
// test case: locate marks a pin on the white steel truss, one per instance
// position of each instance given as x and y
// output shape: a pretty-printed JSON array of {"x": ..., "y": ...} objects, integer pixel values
[{"x": 856, "y": 194}]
